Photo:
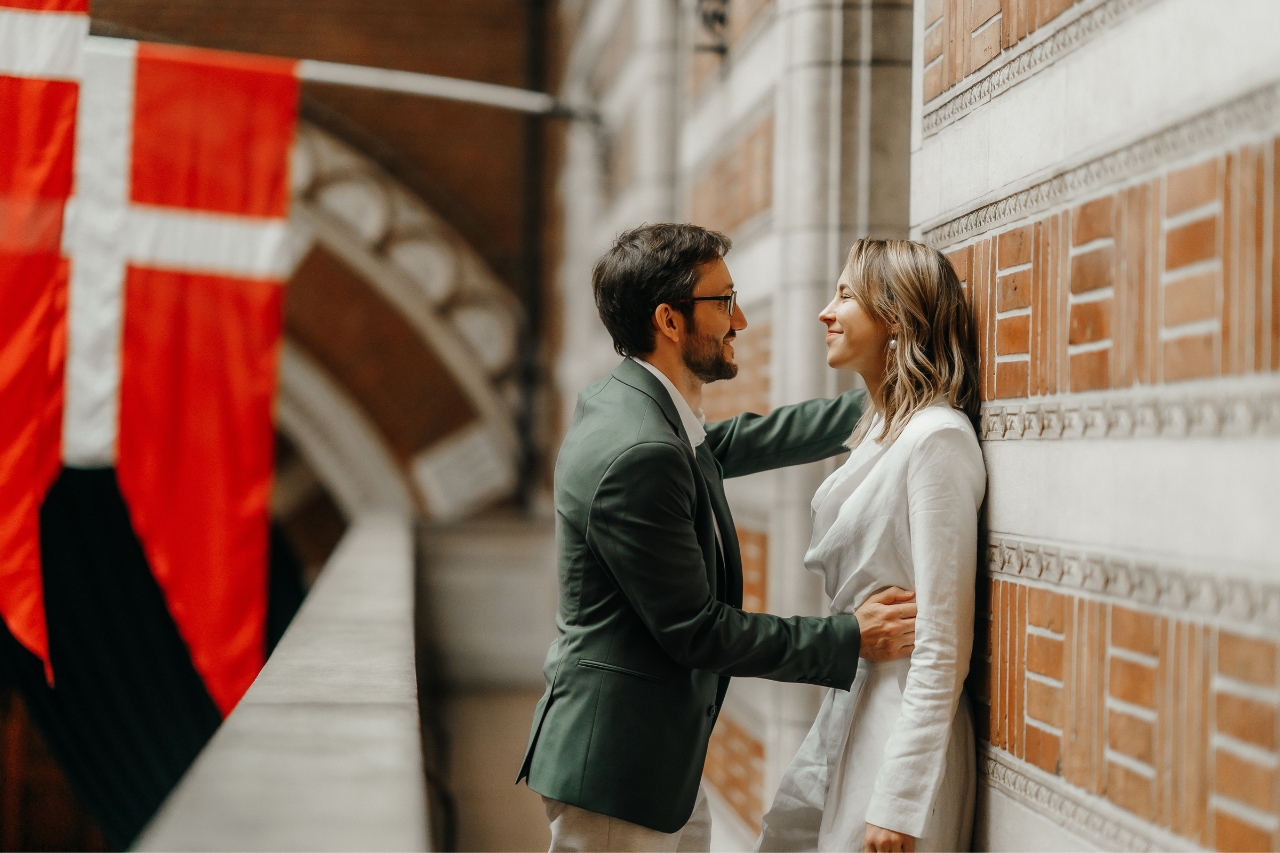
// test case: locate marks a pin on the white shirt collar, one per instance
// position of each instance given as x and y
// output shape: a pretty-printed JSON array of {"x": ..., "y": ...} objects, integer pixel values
[{"x": 691, "y": 420}]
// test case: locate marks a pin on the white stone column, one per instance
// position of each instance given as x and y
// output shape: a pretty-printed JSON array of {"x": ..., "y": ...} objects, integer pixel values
[{"x": 806, "y": 209}]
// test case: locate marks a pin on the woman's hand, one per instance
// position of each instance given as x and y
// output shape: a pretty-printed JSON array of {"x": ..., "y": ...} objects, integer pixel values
[{"x": 880, "y": 839}]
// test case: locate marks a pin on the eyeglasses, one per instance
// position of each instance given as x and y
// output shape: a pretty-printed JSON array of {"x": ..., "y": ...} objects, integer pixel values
[{"x": 731, "y": 300}]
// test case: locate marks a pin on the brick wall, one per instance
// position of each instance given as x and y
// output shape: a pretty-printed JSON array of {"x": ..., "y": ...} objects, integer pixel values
[
  {"x": 961, "y": 36},
  {"x": 754, "y": 545},
  {"x": 749, "y": 390},
  {"x": 1169, "y": 717},
  {"x": 735, "y": 769},
  {"x": 737, "y": 185},
  {"x": 1168, "y": 279}
]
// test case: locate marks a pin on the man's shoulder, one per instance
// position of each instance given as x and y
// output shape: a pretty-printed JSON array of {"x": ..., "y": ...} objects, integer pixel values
[{"x": 615, "y": 419}]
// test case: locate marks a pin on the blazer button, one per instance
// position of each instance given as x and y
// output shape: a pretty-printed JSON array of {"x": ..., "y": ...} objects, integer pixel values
[{"x": 711, "y": 710}]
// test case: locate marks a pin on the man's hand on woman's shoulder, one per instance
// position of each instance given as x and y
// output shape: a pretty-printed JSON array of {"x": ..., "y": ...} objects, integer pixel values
[{"x": 887, "y": 625}]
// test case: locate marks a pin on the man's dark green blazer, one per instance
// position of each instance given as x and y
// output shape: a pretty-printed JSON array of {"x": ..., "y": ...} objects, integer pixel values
[{"x": 649, "y": 617}]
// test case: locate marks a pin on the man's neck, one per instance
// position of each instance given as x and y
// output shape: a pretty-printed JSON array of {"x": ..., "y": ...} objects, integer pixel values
[{"x": 672, "y": 366}]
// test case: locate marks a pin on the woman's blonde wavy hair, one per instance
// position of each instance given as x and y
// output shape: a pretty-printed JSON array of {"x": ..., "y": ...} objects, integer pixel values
[{"x": 915, "y": 291}]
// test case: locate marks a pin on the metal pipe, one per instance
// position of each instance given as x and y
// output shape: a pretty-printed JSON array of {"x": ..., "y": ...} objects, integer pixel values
[{"x": 432, "y": 86}]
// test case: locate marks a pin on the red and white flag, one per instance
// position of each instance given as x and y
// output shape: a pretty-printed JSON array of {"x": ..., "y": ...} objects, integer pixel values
[
  {"x": 179, "y": 247},
  {"x": 40, "y": 66},
  {"x": 170, "y": 318}
]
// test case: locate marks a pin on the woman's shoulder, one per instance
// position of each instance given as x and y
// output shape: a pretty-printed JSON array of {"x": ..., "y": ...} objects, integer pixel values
[{"x": 937, "y": 418}]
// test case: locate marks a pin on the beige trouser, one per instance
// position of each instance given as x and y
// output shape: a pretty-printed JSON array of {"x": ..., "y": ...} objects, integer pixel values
[{"x": 575, "y": 829}]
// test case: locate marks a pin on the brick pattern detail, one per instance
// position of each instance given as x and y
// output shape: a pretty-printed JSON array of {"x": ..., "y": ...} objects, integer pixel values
[
  {"x": 749, "y": 390},
  {"x": 737, "y": 185},
  {"x": 735, "y": 768},
  {"x": 1171, "y": 719},
  {"x": 961, "y": 36},
  {"x": 754, "y": 545},
  {"x": 1171, "y": 279}
]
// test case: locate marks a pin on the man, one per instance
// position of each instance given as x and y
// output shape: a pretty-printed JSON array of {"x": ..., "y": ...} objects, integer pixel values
[{"x": 650, "y": 625}]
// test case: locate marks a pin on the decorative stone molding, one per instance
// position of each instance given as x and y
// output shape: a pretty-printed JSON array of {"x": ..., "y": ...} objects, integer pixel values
[
  {"x": 1257, "y": 111},
  {"x": 1245, "y": 409},
  {"x": 1131, "y": 580},
  {"x": 1089, "y": 817},
  {"x": 1022, "y": 65},
  {"x": 446, "y": 293}
]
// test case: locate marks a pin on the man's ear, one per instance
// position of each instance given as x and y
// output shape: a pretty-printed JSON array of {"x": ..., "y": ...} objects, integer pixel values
[{"x": 668, "y": 322}]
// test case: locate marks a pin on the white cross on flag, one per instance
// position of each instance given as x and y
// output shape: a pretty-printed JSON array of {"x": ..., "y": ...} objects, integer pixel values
[{"x": 178, "y": 247}]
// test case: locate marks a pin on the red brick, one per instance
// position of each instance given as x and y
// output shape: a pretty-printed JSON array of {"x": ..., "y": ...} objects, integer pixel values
[
  {"x": 1134, "y": 683},
  {"x": 1189, "y": 357},
  {"x": 1231, "y": 833},
  {"x": 1092, "y": 270},
  {"x": 984, "y": 46},
  {"x": 1047, "y": 10},
  {"x": 1012, "y": 378},
  {"x": 1091, "y": 371},
  {"x": 1243, "y": 781},
  {"x": 1191, "y": 243},
  {"x": 1090, "y": 321},
  {"x": 1013, "y": 291},
  {"x": 1246, "y": 719},
  {"x": 1013, "y": 334},
  {"x": 1129, "y": 790},
  {"x": 754, "y": 545},
  {"x": 934, "y": 81},
  {"x": 1092, "y": 221},
  {"x": 983, "y": 11},
  {"x": 739, "y": 184},
  {"x": 1190, "y": 300},
  {"x": 959, "y": 260},
  {"x": 1044, "y": 703},
  {"x": 1044, "y": 656},
  {"x": 1247, "y": 659},
  {"x": 1044, "y": 750},
  {"x": 1133, "y": 630},
  {"x": 1014, "y": 247},
  {"x": 933, "y": 44},
  {"x": 1191, "y": 187},
  {"x": 1045, "y": 609},
  {"x": 1131, "y": 736}
]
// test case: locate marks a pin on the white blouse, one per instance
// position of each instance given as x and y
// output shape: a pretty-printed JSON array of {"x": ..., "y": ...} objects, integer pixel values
[{"x": 900, "y": 514}]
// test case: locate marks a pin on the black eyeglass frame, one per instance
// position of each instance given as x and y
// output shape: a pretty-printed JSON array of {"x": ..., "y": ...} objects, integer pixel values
[{"x": 731, "y": 299}]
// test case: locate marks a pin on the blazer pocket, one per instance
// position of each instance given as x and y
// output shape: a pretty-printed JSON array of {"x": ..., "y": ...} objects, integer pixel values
[{"x": 608, "y": 667}]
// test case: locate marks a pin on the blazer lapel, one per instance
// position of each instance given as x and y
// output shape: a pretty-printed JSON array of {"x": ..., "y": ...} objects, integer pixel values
[{"x": 731, "y": 589}]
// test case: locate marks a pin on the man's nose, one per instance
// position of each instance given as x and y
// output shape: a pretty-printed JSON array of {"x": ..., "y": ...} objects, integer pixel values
[{"x": 739, "y": 318}]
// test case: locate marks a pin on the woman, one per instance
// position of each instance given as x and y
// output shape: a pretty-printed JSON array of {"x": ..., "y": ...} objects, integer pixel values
[{"x": 889, "y": 765}]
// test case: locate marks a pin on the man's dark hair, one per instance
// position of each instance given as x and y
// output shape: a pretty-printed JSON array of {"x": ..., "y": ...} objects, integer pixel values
[{"x": 647, "y": 267}]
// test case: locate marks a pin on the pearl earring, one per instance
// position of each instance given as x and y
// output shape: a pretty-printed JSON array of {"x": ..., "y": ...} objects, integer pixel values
[{"x": 893, "y": 343}]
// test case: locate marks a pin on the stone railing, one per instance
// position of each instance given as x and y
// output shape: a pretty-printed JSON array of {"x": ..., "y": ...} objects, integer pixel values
[{"x": 325, "y": 750}]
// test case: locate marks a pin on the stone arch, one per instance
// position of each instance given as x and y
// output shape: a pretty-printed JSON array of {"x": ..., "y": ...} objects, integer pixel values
[{"x": 411, "y": 260}]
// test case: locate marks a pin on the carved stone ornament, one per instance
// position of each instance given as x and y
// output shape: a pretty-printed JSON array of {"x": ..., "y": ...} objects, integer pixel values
[
  {"x": 1021, "y": 65},
  {"x": 1228, "y": 408},
  {"x": 1087, "y": 816},
  {"x": 1127, "y": 580},
  {"x": 1255, "y": 112}
]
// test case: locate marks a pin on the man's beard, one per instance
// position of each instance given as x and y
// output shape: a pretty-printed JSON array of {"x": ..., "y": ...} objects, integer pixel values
[{"x": 704, "y": 356}]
